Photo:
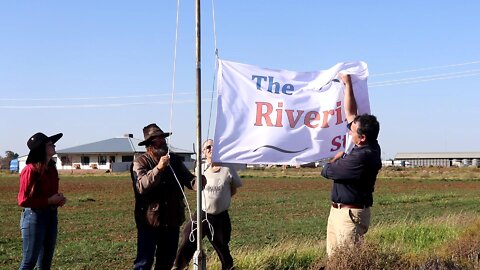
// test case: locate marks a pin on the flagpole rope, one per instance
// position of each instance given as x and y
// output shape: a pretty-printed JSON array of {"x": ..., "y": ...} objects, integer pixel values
[
  {"x": 213, "y": 91},
  {"x": 214, "y": 28},
  {"x": 191, "y": 237},
  {"x": 198, "y": 181},
  {"x": 174, "y": 66},
  {"x": 216, "y": 67},
  {"x": 171, "y": 107},
  {"x": 210, "y": 227}
]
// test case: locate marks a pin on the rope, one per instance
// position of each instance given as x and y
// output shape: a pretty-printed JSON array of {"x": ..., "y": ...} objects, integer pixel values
[
  {"x": 210, "y": 226},
  {"x": 171, "y": 106},
  {"x": 174, "y": 65},
  {"x": 181, "y": 188},
  {"x": 191, "y": 236},
  {"x": 213, "y": 91},
  {"x": 216, "y": 67},
  {"x": 214, "y": 27}
]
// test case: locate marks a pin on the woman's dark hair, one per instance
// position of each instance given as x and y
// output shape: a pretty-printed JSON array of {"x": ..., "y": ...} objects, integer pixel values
[
  {"x": 38, "y": 155},
  {"x": 368, "y": 126}
]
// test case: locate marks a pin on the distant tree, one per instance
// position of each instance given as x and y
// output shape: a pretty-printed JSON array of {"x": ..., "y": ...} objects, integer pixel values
[
  {"x": 5, "y": 161},
  {"x": 11, "y": 154}
]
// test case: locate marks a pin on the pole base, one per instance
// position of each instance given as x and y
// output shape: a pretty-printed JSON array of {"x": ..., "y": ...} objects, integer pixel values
[{"x": 199, "y": 260}]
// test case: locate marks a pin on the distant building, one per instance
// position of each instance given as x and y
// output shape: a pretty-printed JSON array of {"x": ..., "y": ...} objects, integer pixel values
[
  {"x": 395, "y": 163},
  {"x": 440, "y": 159},
  {"x": 114, "y": 154},
  {"x": 14, "y": 165}
]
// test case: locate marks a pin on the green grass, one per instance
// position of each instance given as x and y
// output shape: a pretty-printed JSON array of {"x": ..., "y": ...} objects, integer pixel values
[
  {"x": 415, "y": 237},
  {"x": 279, "y": 218}
]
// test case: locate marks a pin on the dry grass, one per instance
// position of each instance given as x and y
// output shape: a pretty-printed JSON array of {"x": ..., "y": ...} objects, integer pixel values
[
  {"x": 279, "y": 221},
  {"x": 450, "y": 173},
  {"x": 460, "y": 254},
  {"x": 430, "y": 173},
  {"x": 365, "y": 256},
  {"x": 466, "y": 250},
  {"x": 287, "y": 254}
]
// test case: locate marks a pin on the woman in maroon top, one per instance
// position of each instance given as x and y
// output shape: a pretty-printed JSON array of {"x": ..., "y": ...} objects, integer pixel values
[{"x": 39, "y": 196}]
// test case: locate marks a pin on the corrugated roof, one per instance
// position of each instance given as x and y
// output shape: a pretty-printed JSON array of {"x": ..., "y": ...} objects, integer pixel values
[
  {"x": 438, "y": 155},
  {"x": 114, "y": 145},
  {"x": 179, "y": 151}
]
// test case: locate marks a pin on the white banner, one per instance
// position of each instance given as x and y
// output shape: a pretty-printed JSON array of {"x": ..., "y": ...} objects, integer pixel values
[{"x": 267, "y": 116}]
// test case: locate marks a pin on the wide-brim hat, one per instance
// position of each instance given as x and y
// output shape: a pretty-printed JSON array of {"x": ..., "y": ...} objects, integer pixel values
[
  {"x": 38, "y": 140},
  {"x": 151, "y": 131}
]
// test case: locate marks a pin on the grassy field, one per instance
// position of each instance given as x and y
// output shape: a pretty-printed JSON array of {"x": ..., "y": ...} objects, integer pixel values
[{"x": 420, "y": 216}]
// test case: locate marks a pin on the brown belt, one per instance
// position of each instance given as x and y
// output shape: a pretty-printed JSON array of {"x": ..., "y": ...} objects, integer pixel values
[{"x": 352, "y": 206}]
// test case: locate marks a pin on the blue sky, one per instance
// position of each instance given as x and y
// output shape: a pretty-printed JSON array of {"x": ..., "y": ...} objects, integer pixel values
[{"x": 100, "y": 69}]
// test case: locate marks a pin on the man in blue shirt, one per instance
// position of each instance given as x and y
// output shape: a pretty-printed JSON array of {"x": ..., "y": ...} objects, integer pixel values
[{"x": 353, "y": 176}]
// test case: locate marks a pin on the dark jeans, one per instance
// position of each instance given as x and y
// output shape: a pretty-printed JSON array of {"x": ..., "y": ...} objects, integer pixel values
[
  {"x": 222, "y": 230},
  {"x": 39, "y": 233},
  {"x": 159, "y": 243}
]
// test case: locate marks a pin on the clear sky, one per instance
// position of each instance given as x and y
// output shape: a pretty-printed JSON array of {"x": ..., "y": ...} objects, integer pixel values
[{"x": 95, "y": 70}]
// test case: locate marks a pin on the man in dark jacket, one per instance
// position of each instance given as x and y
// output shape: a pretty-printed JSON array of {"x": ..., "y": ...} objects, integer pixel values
[
  {"x": 158, "y": 180},
  {"x": 353, "y": 176}
]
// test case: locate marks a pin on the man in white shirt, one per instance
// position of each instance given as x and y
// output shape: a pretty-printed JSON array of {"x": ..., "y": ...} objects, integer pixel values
[{"x": 222, "y": 184}]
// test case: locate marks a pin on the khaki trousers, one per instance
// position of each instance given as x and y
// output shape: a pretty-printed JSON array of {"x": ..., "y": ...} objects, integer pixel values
[{"x": 346, "y": 226}]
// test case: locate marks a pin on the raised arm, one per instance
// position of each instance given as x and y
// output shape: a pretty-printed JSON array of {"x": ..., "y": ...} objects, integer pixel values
[{"x": 349, "y": 101}]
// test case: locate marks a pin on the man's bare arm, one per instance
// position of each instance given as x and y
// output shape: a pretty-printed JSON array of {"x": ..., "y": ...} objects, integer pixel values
[{"x": 349, "y": 101}]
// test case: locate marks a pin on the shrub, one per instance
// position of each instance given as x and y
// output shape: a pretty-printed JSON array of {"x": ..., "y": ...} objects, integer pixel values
[
  {"x": 366, "y": 255},
  {"x": 466, "y": 250},
  {"x": 440, "y": 264}
]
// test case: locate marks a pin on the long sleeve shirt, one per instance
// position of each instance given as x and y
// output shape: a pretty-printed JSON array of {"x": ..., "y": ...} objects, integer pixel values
[
  {"x": 354, "y": 175},
  {"x": 35, "y": 187},
  {"x": 157, "y": 193},
  {"x": 217, "y": 194}
]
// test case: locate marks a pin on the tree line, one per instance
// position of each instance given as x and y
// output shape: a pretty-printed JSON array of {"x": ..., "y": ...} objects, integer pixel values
[{"x": 5, "y": 161}]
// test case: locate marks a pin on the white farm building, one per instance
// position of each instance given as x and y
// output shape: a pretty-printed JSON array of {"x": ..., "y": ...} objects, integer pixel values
[
  {"x": 114, "y": 154},
  {"x": 440, "y": 159}
]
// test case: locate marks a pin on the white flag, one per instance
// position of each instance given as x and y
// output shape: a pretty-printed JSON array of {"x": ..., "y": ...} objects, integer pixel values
[{"x": 267, "y": 116}]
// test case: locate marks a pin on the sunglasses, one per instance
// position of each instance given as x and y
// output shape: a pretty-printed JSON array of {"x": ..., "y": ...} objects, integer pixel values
[{"x": 208, "y": 147}]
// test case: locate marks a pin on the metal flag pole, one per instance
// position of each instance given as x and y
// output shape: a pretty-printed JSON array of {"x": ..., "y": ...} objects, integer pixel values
[{"x": 199, "y": 260}]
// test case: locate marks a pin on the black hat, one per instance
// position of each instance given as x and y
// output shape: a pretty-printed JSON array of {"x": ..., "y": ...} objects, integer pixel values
[
  {"x": 151, "y": 131},
  {"x": 38, "y": 140}
]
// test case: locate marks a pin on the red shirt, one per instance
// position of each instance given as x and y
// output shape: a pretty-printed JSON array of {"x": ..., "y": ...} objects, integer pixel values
[{"x": 43, "y": 184}]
